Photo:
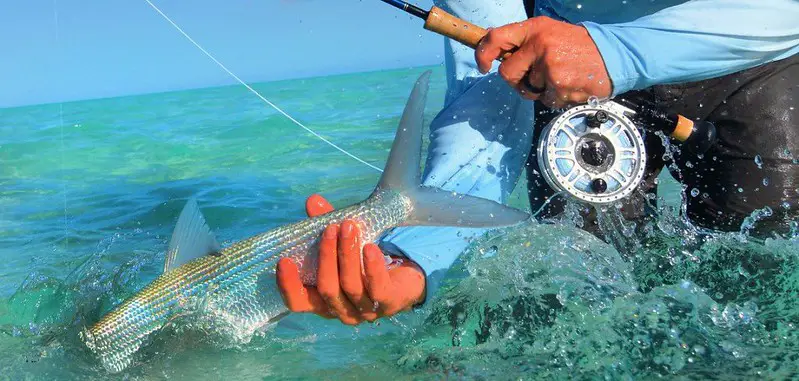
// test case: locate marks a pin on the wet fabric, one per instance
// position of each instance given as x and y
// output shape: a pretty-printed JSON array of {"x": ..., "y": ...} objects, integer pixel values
[
  {"x": 672, "y": 41},
  {"x": 481, "y": 139},
  {"x": 753, "y": 167}
]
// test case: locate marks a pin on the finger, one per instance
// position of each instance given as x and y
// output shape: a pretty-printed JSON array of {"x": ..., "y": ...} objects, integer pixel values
[
  {"x": 349, "y": 262},
  {"x": 557, "y": 100},
  {"x": 316, "y": 205},
  {"x": 497, "y": 42},
  {"x": 378, "y": 282},
  {"x": 552, "y": 99},
  {"x": 577, "y": 97},
  {"x": 328, "y": 279},
  {"x": 515, "y": 68},
  {"x": 408, "y": 284},
  {"x": 534, "y": 84},
  {"x": 295, "y": 295}
]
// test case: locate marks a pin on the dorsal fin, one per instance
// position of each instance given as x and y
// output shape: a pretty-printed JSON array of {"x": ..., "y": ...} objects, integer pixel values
[{"x": 192, "y": 238}]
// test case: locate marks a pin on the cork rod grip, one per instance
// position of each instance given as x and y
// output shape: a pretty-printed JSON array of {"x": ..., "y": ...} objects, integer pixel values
[
  {"x": 460, "y": 30},
  {"x": 457, "y": 29}
]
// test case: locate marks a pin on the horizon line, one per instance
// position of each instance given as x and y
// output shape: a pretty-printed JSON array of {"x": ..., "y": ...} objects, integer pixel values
[{"x": 208, "y": 87}]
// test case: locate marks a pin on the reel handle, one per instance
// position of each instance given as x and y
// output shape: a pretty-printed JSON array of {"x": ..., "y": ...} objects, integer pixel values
[
  {"x": 443, "y": 23},
  {"x": 695, "y": 137}
]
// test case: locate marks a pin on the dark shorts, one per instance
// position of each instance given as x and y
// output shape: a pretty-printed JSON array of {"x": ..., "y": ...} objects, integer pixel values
[{"x": 754, "y": 165}]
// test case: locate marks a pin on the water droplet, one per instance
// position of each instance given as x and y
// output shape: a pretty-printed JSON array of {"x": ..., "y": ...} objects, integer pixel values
[
  {"x": 694, "y": 192},
  {"x": 786, "y": 205},
  {"x": 593, "y": 101},
  {"x": 740, "y": 190},
  {"x": 759, "y": 161},
  {"x": 765, "y": 181},
  {"x": 699, "y": 350},
  {"x": 579, "y": 6}
]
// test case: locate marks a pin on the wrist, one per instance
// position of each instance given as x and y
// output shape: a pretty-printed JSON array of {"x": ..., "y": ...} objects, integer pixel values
[{"x": 620, "y": 69}]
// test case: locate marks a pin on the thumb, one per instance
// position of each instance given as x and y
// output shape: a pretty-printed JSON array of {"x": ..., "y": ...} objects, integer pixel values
[
  {"x": 497, "y": 42},
  {"x": 316, "y": 205}
]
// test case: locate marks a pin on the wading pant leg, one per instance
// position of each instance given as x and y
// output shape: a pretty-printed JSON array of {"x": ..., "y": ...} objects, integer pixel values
[{"x": 755, "y": 164}]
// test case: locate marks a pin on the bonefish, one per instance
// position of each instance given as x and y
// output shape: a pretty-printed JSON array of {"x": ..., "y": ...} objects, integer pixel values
[{"x": 237, "y": 282}]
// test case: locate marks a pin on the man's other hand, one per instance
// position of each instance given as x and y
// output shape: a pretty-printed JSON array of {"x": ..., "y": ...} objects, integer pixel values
[{"x": 345, "y": 289}]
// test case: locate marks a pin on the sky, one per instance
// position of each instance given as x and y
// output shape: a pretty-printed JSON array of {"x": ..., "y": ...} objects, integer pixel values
[{"x": 55, "y": 51}]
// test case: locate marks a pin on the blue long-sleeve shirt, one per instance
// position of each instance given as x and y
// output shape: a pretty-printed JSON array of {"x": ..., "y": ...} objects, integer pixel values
[
  {"x": 480, "y": 140},
  {"x": 668, "y": 41}
]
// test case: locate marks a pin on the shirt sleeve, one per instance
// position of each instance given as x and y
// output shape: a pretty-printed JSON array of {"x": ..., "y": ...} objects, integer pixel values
[
  {"x": 478, "y": 146},
  {"x": 479, "y": 143},
  {"x": 696, "y": 40}
]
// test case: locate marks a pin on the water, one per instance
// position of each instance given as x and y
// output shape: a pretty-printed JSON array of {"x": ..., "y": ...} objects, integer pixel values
[{"x": 87, "y": 205}]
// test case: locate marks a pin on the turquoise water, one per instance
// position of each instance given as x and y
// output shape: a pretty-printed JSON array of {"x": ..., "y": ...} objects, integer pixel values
[{"x": 89, "y": 193}]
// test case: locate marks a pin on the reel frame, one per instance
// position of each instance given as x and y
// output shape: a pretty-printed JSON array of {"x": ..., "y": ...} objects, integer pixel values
[{"x": 594, "y": 152}]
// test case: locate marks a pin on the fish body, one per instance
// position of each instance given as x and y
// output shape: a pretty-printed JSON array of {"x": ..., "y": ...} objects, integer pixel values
[{"x": 237, "y": 282}]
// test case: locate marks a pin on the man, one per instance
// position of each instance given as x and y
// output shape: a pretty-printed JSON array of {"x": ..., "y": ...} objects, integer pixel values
[{"x": 732, "y": 62}]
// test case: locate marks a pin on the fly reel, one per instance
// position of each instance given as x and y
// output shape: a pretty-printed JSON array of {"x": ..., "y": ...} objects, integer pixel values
[{"x": 594, "y": 152}]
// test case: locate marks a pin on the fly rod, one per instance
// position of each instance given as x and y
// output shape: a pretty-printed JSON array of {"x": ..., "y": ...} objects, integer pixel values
[
  {"x": 611, "y": 177},
  {"x": 698, "y": 136},
  {"x": 439, "y": 21}
]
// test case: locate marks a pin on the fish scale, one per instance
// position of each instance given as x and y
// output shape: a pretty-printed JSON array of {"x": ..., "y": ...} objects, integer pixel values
[
  {"x": 231, "y": 272},
  {"x": 236, "y": 284}
]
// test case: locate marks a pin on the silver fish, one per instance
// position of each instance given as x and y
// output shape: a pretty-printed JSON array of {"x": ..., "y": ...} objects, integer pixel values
[{"x": 237, "y": 282}]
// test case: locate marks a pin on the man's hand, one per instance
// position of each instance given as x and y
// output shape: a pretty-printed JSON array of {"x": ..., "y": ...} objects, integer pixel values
[
  {"x": 555, "y": 61},
  {"x": 344, "y": 290}
]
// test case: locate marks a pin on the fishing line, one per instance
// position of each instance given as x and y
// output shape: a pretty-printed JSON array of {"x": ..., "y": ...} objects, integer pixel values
[
  {"x": 179, "y": 29},
  {"x": 61, "y": 125}
]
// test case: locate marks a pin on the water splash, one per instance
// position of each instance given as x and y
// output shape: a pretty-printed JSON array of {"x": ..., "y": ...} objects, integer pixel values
[{"x": 580, "y": 311}]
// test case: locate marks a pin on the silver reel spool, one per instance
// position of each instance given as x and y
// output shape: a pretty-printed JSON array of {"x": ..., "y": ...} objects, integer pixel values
[{"x": 594, "y": 152}]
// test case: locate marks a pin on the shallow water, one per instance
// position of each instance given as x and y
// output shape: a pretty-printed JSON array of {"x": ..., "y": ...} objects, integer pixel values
[{"x": 90, "y": 192}]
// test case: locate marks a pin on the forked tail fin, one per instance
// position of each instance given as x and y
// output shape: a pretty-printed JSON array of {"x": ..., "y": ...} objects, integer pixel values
[{"x": 433, "y": 206}]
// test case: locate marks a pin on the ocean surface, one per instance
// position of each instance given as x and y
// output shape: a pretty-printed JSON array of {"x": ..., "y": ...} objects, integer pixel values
[{"x": 90, "y": 192}]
